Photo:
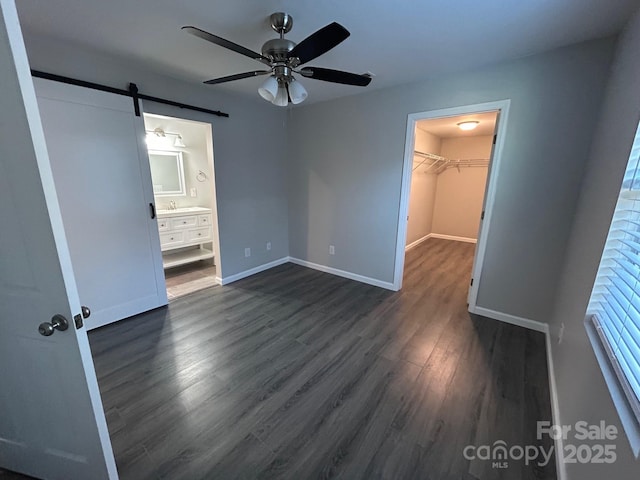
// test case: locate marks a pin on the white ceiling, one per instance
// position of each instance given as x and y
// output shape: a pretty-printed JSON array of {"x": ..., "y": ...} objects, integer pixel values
[
  {"x": 399, "y": 41},
  {"x": 447, "y": 127}
]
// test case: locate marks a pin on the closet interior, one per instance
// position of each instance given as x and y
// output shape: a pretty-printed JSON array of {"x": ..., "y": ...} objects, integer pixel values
[{"x": 449, "y": 175}]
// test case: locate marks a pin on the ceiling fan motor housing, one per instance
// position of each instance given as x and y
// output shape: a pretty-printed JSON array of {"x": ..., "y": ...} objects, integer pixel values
[{"x": 278, "y": 49}]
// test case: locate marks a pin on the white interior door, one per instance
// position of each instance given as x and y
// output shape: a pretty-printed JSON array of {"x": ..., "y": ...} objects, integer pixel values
[
  {"x": 52, "y": 423},
  {"x": 487, "y": 200},
  {"x": 102, "y": 175}
]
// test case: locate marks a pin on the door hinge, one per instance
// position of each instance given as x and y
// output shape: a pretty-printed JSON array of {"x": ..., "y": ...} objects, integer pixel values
[
  {"x": 77, "y": 319},
  {"x": 471, "y": 282},
  {"x": 495, "y": 137},
  {"x": 482, "y": 215}
]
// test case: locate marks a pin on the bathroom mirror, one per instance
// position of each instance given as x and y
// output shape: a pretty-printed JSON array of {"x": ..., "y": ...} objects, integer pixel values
[{"x": 167, "y": 173}]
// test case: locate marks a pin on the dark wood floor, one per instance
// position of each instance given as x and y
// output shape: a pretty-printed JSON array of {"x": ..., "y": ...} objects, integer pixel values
[{"x": 297, "y": 374}]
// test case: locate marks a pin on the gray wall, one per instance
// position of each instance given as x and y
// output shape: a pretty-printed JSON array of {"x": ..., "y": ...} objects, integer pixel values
[
  {"x": 422, "y": 196},
  {"x": 582, "y": 393},
  {"x": 250, "y": 183},
  {"x": 460, "y": 192},
  {"x": 345, "y": 167}
]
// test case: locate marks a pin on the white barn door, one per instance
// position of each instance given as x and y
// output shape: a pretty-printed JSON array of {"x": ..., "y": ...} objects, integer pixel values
[
  {"x": 52, "y": 423},
  {"x": 102, "y": 175}
]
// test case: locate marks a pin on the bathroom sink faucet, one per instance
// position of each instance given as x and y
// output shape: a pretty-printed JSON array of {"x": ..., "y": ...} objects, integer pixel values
[{"x": 172, "y": 205}]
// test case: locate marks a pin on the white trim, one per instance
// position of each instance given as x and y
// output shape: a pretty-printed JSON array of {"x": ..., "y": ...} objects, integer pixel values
[
  {"x": 453, "y": 237},
  {"x": 512, "y": 319},
  {"x": 617, "y": 393},
  {"x": 417, "y": 242},
  {"x": 502, "y": 106},
  {"x": 561, "y": 472},
  {"x": 343, "y": 273},
  {"x": 441, "y": 236},
  {"x": 251, "y": 271},
  {"x": 553, "y": 390}
]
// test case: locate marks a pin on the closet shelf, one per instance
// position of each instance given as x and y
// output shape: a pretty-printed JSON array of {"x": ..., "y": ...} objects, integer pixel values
[{"x": 437, "y": 164}]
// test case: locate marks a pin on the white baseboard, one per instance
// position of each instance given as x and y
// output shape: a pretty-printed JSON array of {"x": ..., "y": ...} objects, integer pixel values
[
  {"x": 453, "y": 237},
  {"x": 441, "y": 236},
  {"x": 343, "y": 273},
  {"x": 512, "y": 319},
  {"x": 417, "y": 242},
  {"x": 561, "y": 472},
  {"x": 252, "y": 271},
  {"x": 553, "y": 391}
]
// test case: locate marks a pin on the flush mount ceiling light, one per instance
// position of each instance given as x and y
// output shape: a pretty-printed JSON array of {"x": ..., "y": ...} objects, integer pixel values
[
  {"x": 284, "y": 57},
  {"x": 469, "y": 125},
  {"x": 158, "y": 137}
]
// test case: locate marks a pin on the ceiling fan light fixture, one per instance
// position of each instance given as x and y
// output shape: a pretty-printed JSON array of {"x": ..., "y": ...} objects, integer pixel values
[
  {"x": 269, "y": 89},
  {"x": 468, "y": 125},
  {"x": 283, "y": 56},
  {"x": 282, "y": 98},
  {"x": 297, "y": 92}
]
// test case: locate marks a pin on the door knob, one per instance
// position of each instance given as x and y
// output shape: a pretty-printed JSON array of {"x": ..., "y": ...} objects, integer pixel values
[
  {"x": 58, "y": 322},
  {"x": 86, "y": 312}
]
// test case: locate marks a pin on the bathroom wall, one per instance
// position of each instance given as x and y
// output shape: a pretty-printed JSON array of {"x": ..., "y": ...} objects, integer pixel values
[
  {"x": 423, "y": 189},
  {"x": 459, "y": 196},
  {"x": 195, "y": 158}
]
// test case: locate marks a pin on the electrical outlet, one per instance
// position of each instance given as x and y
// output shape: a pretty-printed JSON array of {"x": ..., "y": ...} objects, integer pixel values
[
  {"x": 561, "y": 333},
  {"x": 247, "y": 252},
  {"x": 332, "y": 250},
  {"x": 268, "y": 245},
  {"x": 193, "y": 192}
]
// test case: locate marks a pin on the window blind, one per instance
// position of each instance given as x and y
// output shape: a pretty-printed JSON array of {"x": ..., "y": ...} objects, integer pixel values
[{"x": 615, "y": 301}]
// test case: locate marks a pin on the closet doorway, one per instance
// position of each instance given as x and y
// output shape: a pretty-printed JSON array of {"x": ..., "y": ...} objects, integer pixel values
[
  {"x": 451, "y": 161},
  {"x": 182, "y": 173}
]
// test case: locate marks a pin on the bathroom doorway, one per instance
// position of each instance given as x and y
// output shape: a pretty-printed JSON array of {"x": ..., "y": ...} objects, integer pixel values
[{"x": 182, "y": 171}]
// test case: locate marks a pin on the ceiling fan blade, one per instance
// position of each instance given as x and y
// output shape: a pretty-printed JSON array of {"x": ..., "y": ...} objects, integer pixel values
[
  {"x": 320, "y": 42},
  {"x": 335, "y": 76},
  {"x": 210, "y": 37},
  {"x": 237, "y": 76}
]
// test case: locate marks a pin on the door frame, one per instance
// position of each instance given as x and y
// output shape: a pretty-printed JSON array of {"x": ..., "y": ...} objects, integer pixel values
[
  {"x": 502, "y": 107},
  {"x": 159, "y": 110}
]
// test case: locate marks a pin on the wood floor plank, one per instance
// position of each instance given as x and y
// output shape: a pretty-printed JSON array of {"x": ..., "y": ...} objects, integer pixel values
[{"x": 294, "y": 373}]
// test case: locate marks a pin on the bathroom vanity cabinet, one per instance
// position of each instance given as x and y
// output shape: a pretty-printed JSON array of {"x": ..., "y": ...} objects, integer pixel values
[{"x": 181, "y": 230}]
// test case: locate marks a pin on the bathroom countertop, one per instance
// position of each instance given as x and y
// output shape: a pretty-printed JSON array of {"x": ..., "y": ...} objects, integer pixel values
[{"x": 181, "y": 211}]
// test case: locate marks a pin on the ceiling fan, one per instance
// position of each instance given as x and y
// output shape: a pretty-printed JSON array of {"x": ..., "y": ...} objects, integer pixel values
[{"x": 284, "y": 58}]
